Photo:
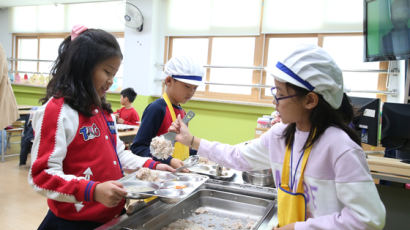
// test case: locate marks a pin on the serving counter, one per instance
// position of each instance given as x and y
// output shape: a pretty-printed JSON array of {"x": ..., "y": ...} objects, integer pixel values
[{"x": 227, "y": 201}]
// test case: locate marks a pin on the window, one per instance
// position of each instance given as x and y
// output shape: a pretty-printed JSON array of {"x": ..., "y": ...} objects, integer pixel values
[
  {"x": 35, "y": 54},
  {"x": 278, "y": 47},
  {"x": 235, "y": 64},
  {"x": 350, "y": 60},
  {"x": 229, "y": 62}
]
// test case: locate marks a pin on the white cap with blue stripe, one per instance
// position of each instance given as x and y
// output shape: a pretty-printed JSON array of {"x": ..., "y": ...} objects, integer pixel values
[
  {"x": 184, "y": 69},
  {"x": 311, "y": 67}
]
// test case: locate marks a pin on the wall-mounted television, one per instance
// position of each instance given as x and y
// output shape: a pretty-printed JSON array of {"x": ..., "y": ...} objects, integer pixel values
[{"x": 386, "y": 30}]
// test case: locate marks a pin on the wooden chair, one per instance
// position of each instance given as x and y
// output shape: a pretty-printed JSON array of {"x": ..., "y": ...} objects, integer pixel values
[{"x": 13, "y": 136}]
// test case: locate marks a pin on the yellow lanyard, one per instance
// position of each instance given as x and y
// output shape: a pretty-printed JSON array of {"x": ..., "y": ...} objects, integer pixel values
[
  {"x": 180, "y": 151},
  {"x": 286, "y": 168}
]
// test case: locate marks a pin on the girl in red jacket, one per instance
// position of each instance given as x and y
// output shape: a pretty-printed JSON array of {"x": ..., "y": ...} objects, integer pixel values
[{"x": 77, "y": 156}]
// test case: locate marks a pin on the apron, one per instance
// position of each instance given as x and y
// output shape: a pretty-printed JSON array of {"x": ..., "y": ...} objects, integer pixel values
[
  {"x": 292, "y": 206},
  {"x": 180, "y": 151}
]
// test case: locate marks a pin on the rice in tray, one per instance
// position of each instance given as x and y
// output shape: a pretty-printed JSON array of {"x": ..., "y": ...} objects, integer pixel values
[
  {"x": 161, "y": 148},
  {"x": 202, "y": 218},
  {"x": 147, "y": 174},
  {"x": 182, "y": 224}
]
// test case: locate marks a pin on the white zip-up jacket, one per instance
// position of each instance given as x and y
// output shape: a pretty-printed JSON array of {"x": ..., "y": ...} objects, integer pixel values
[{"x": 339, "y": 189}]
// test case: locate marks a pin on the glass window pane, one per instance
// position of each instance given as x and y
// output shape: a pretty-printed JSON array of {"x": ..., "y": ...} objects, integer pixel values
[
  {"x": 48, "y": 51},
  {"x": 231, "y": 76},
  {"x": 118, "y": 79},
  {"x": 348, "y": 56},
  {"x": 196, "y": 48},
  {"x": 279, "y": 48},
  {"x": 351, "y": 58},
  {"x": 233, "y": 51},
  {"x": 27, "y": 49}
]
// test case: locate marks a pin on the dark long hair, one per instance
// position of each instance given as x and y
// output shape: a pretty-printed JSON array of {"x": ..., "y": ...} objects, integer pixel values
[
  {"x": 322, "y": 117},
  {"x": 72, "y": 71}
]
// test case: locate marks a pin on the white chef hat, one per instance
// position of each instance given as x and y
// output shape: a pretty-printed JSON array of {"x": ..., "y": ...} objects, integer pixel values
[
  {"x": 185, "y": 69},
  {"x": 311, "y": 67}
]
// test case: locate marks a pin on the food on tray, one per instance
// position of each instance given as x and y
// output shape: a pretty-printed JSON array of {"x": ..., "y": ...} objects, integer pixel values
[
  {"x": 201, "y": 210},
  {"x": 203, "y": 160},
  {"x": 147, "y": 174},
  {"x": 203, "y": 218},
  {"x": 136, "y": 189},
  {"x": 161, "y": 148},
  {"x": 180, "y": 186},
  {"x": 182, "y": 224}
]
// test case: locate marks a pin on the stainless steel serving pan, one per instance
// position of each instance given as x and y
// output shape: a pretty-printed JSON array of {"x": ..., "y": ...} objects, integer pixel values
[
  {"x": 223, "y": 210},
  {"x": 258, "y": 177}
]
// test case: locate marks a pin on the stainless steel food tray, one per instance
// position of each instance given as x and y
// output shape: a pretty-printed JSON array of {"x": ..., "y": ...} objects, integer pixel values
[
  {"x": 223, "y": 211},
  {"x": 170, "y": 187},
  {"x": 210, "y": 170}
]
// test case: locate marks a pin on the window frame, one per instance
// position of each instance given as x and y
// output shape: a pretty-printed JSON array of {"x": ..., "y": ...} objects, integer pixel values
[
  {"x": 15, "y": 41},
  {"x": 260, "y": 60}
]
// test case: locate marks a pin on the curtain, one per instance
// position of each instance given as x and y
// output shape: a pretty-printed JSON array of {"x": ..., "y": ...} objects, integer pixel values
[
  {"x": 313, "y": 16},
  {"x": 62, "y": 17}
]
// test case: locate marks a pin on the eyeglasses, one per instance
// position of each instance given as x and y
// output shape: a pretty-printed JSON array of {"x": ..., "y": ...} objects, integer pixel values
[{"x": 277, "y": 99}]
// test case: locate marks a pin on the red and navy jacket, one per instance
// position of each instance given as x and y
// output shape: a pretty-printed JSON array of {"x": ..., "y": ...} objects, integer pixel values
[
  {"x": 71, "y": 154},
  {"x": 155, "y": 121}
]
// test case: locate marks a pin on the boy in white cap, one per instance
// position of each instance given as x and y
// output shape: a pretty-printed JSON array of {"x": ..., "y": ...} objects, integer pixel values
[
  {"x": 319, "y": 167},
  {"x": 183, "y": 76}
]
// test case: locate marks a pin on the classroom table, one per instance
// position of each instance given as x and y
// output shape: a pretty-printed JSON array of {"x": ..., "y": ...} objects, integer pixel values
[
  {"x": 24, "y": 107},
  {"x": 127, "y": 136},
  {"x": 389, "y": 169}
]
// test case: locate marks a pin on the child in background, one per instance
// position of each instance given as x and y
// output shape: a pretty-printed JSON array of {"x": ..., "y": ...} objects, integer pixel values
[
  {"x": 127, "y": 114},
  {"x": 332, "y": 188},
  {"x": 183, "y": 75},
  {"x": 77, "y": 156}
]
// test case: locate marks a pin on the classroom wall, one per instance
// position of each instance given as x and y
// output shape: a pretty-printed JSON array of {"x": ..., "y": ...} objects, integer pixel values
[
  {"x": 224, "y": 122},
  {"x": 143, "y": 53}
]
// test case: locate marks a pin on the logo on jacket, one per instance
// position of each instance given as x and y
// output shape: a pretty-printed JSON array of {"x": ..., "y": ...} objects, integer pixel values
[{"x": 90, "y": 132}]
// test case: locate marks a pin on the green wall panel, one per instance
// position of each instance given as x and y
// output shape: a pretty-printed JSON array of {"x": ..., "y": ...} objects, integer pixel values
[{"x": 215, "y": 121}]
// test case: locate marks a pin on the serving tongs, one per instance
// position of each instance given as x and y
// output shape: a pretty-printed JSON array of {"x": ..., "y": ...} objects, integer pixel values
[{"x": 171, "y": 135}]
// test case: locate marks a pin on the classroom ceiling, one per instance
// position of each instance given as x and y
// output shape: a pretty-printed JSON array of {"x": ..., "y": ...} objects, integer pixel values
[{"x": 11, "y": 3}]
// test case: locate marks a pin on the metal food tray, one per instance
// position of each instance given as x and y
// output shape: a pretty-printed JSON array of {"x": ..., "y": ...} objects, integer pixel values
[
  {"x": 170, "y": 187},
  {"x": 224, "y": 210},
  {"x": 210, "y": 170}
]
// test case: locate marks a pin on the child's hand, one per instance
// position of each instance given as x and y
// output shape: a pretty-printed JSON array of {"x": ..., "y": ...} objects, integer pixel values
[
  {"x": 183, "y": 136},
  {"x": 109, "y": 193},
  {"x": 176, "y": 163},
  {"x": 120, "y": 121},
  {"x": 164, "y": 167}
]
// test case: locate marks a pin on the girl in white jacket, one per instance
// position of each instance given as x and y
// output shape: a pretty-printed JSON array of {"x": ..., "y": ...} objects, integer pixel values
[{"x": 316, "y": 159}]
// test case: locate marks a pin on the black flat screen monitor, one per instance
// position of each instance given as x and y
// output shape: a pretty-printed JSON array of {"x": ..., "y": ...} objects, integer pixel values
[
  {"x": 366, "y": 118},
  {"x": 386, "y": 27},
  {"x": 396, "y": 129}
]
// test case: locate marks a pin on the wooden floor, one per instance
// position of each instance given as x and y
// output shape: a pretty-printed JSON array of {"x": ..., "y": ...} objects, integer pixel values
[{"x": 20, "y": 207}]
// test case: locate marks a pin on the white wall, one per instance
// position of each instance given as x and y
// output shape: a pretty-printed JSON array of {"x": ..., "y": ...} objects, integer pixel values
[
  {"x": 398, "y": 82},
  {"x": 144, "y": 50},
  {"x": 5, "y": 35}
]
